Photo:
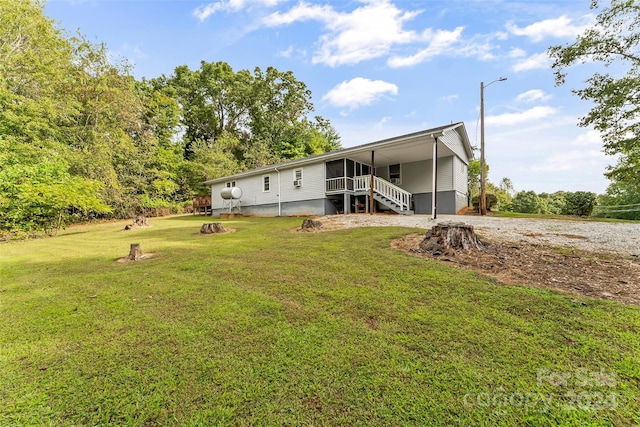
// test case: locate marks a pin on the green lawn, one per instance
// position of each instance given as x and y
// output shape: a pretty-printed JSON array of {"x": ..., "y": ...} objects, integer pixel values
[{"x": 267, "y": 327}]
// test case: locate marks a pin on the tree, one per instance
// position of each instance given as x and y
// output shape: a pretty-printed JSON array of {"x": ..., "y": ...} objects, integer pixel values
[
  {"x": 579, "y": 203},
  {"x": 614, "y": 39},
  {"x": 527, "y": 202},
  {"x": 42, "y": 197}
]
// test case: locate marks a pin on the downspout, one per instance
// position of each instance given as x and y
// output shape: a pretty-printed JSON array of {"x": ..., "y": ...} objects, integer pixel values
[
  {"x": 279, "y": 202},
  {"x": 434, "y": 194}
]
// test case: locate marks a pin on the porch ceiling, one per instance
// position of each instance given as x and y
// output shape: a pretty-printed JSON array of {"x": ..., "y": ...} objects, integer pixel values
[{"x": 409, "y": 151}]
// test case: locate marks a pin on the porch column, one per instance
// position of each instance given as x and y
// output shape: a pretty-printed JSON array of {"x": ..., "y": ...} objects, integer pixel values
[
  {"x": 434, "y": 190},
  {"x": 371, "y": 199},
  {"x": 346, "y": 203}
]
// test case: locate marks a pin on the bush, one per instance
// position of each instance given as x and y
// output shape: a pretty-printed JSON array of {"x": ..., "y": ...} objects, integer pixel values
[
  {"x": 527, "y": 202},
  {"x": 580, "y": 203},
  {"x": 492, "y": 201}
]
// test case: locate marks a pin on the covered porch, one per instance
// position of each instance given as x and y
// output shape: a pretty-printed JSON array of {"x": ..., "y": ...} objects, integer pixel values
[{"x": 387, "y": 172}]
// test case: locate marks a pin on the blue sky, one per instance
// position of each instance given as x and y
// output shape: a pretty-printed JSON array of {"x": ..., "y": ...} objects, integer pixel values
[{"x": 382, "y": 68}]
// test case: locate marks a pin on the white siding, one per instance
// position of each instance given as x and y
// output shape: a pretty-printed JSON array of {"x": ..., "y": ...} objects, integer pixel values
[
  {"x": 460, "y": 175},
  {"x": 251, "y": 186},
  {"x": 445, "y": 174},
  {"x": 252, "y": 193},
  {"x": 452, "y": 140},
  {"x": 417, "y": 176},
  {"x": 312, "y": 183}
]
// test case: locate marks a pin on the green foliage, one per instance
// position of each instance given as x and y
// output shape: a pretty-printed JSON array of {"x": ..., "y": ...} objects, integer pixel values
[
  {"x": 580, "y": 203},
  {"x": 43, "y": 197},
  {"x": 527, "y": 202},
  {"x": 620, "y": 201},
  {"x": 264, "y": 113},
  {"x": 614, "y": 39},
  {"x": 150, "y": 144},
  {"x": 554, "y": 203}
]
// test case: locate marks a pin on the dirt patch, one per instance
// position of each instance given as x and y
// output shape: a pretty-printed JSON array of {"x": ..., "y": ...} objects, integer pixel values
[
  {"x": 579, "y": 272},
  {"x": 227, "y": 231},
  {"x": 142, "y": 258}
]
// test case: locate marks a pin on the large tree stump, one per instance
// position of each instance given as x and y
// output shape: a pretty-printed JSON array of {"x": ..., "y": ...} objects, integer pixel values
[
  {"x": 448, "y": 237},
  {"x": 310, "y": 225},
  {"x": 212, "y": 228},
  {"x": 135, "y": 252}
]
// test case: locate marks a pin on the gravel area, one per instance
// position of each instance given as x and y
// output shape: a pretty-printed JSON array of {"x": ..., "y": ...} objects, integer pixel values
[{"x": 594, "y": 236}]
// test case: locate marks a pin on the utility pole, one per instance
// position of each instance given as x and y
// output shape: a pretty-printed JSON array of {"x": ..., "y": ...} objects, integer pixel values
[{"x": 483, "y": 190}]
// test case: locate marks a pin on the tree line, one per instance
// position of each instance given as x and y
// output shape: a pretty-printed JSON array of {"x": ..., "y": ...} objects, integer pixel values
[{"x": 81, "y": 138}]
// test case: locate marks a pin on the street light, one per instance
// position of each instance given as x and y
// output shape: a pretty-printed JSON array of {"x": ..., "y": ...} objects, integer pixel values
[{"x": 483, "y": 191}]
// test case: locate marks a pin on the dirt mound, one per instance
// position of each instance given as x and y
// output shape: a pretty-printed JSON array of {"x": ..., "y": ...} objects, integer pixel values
[{"x": 579, "y": 272}]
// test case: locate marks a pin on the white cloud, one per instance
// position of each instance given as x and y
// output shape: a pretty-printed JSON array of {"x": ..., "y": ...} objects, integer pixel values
[
  {"x": 570, "y": 160},
  {"x": 534, "y": 62},
  {"x": 301, "y": 12},
  {"x": 562, "y": 26},
  {"x": 367, "y": 32},
  {"x": 382, "y": 122},
  {"x": 202, "y": 12},
  {"x": 590, "y": 138},
  {"x": 449, "y": 98},
  {"x": 358, "y": 92},
  {"x": 516, "y": 52},
  {"x": 532, "y": 95},
  {"x": 439, "y": 42},
  {"x": 286, "y": 53},
  {"x": 529, "y": 115}
]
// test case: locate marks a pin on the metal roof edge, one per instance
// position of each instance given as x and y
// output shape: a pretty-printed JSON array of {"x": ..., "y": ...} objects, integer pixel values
[{"x": 345, "y": 151}]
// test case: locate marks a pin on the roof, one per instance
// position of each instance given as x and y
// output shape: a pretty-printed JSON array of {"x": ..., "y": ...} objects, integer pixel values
[{"x": 410, "y": 147}]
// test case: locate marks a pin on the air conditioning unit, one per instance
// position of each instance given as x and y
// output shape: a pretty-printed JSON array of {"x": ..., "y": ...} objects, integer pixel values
[{"x": 297, "y": 183}]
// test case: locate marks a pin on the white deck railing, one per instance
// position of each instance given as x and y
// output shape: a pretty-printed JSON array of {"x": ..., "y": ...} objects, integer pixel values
[{"x": 362, "y": 183}]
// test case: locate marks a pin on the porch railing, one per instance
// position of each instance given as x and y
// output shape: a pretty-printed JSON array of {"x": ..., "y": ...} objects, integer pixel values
[
  {"x": 340, "y": 184},
  {"x": 362, "y": 183}
]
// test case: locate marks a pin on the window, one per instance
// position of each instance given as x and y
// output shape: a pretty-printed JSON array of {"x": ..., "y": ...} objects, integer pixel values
[
  {"x": 394, "y": 174},
  {"x": 266, "y": 183},
  {"x": 297, "y": 178},
  {"x": 230, "y": 184}
]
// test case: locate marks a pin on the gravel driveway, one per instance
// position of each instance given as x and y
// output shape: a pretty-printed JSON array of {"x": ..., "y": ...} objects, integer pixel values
[{"x": 596, "y": 236}]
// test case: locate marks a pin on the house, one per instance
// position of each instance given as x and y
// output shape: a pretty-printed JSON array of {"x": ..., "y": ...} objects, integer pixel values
[{"x": 403, "y": 179}]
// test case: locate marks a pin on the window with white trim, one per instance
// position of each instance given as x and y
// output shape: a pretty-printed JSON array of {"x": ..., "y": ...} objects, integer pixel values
[
  {"x": 230, "y": 184},
  {"x": 297, "y": 177},
  {"x": 266, "y": 183}
]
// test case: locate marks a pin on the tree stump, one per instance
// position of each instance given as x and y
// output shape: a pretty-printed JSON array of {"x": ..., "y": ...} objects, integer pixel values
[
  {"x": 310, "y": 225},
  {"x": 212, "y": 228},
  {"x": 448, "y": 237},
  {"x": 135, "y": 252},
  {"x": 138, "y": 222}
]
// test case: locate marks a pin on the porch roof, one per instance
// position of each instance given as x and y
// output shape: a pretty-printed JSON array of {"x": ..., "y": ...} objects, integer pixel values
[{"x": 401, "y": 149}]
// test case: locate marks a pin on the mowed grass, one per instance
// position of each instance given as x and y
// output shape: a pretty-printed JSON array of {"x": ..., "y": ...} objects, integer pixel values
[{"x": 267, "y": 327}]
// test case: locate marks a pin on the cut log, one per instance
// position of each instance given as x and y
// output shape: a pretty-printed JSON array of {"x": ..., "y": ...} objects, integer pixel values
[
  {"x": 135, "y": 252},
  {"x": 212, "y": 228},
  {"x": 310, "y": 225},
  {"x": 448, "y": 237}
]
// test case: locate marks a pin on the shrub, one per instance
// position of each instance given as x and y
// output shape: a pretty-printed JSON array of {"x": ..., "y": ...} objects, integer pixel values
[
  {"x": 527, "y": 202},
  {"x": 580, "y": 203}
]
